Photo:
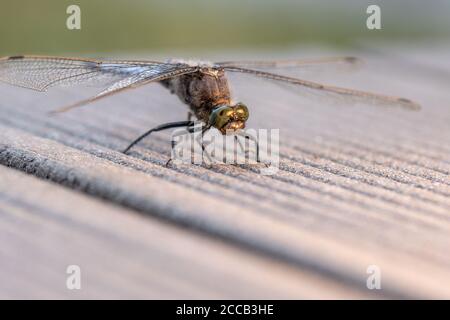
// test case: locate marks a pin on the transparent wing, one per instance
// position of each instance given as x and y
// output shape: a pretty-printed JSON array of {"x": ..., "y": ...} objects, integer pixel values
[
  {"x": 41, "y": 73},
  {"x": 332, "y": 93},
  {"x": 324, "y": 62},
  {"x": 301, "y": 67},
  {"x": 146, "y": 76}
]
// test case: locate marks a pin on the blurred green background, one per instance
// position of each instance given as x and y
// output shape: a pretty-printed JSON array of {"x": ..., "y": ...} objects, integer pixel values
[{"x": 119, "y": 26}]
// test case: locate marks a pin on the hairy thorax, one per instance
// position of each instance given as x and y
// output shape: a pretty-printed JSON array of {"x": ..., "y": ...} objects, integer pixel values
[{"x": 201, "y": 91}]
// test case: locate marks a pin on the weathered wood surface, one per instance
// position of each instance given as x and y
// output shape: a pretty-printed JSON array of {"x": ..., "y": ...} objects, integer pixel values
[{"x": 356, "y": 187}]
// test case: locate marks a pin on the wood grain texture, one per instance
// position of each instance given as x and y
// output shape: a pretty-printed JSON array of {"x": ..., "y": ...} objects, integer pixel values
[
  {"x": 125, "y": 255},
  {"x": 357, "y": 186}
]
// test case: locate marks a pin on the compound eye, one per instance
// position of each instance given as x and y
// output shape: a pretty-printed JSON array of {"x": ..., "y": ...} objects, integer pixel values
[
  {"x": 226, "y": 113},
  {"x": 242, "y": 111},
  {"x": 220, "y": 116}
]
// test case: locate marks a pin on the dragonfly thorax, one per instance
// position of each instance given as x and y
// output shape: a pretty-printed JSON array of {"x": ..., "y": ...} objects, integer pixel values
[{"x": 202, "y": 91}]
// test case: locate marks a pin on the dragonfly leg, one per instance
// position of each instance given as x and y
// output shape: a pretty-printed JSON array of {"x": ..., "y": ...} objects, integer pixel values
[
  {"x": 204, "y": 130},
  {"x": 251, "y": 138},
  {"x": 191, "y": 128},
  {"x": 161, "y": 127},
  {"x": 241, "y": 146}
]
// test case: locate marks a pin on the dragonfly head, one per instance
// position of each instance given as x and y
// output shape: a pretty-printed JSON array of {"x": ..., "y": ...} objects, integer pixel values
[{"x": 226, "y": 117}]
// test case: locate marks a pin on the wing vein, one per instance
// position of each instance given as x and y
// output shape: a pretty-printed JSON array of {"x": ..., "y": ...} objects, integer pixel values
[{"x": 353, "y": 95}]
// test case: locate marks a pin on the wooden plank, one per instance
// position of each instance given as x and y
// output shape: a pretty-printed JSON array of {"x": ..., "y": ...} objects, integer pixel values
[
  {"x": 356, "y": 186},
  {"x": 125, "y": 255}
]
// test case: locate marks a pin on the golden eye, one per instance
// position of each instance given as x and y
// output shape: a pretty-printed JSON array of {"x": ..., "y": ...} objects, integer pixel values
[
  {"x": 242, "y": 111},
  {"x": 220, "y": 116}
]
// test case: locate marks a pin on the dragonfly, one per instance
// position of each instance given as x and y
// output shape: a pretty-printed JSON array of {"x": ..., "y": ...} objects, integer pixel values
[{"x": 202, "y": 86}]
